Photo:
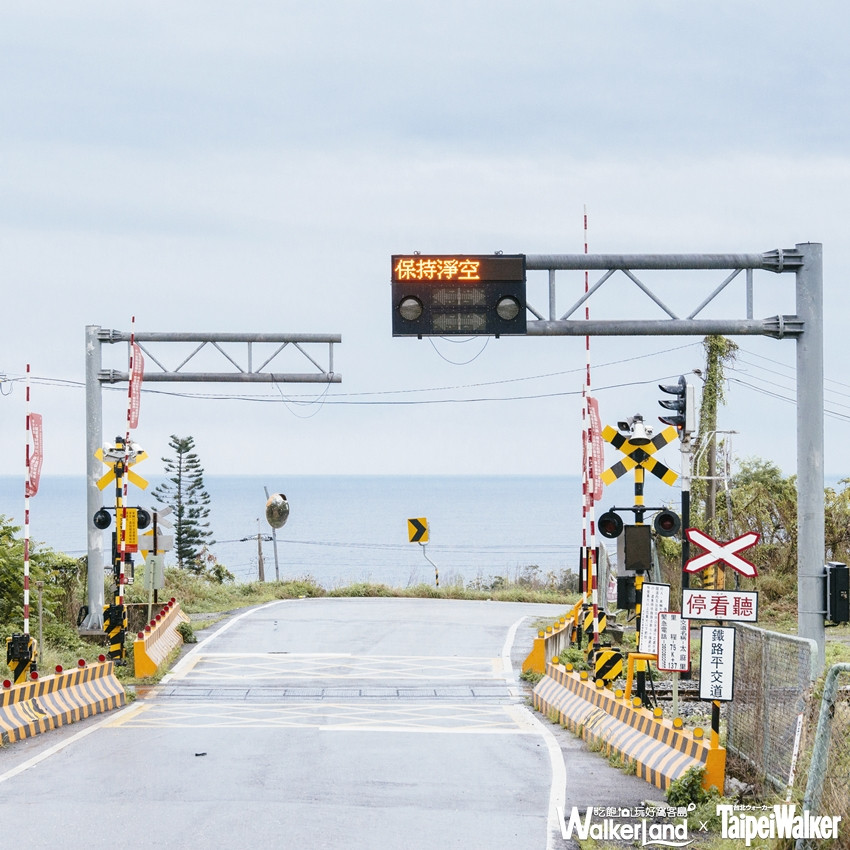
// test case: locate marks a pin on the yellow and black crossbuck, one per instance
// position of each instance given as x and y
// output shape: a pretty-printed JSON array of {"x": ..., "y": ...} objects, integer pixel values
[{"x": 639, "y": 455}]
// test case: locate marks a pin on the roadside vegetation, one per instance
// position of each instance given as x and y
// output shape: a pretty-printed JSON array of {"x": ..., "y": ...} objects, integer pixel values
[{"x": 208, "y": 588}]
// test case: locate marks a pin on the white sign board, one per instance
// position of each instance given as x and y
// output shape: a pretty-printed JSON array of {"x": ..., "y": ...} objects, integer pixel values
[
  {"x": 717, "y": 663},
  {"x": 740, "y": 606},
  {"x": 655, "y": 598},
  {"x": 674, "y": 643},
  {"x": 155, "y": 572}
]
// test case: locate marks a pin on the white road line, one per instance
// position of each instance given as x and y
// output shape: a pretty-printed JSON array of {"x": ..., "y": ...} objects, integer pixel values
[
  {"x": 558, "y": 789},
  {"x": 507, "y": 667},
  {"x": 189, "y": 658},
  {"x": 46, "y": 754}
]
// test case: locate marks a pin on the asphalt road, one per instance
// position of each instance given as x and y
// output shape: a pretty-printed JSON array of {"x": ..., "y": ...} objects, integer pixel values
[{"x": 319, "y": 723}]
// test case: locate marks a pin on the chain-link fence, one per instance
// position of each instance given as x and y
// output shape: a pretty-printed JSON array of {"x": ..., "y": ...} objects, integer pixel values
[
  {"x": 828, "y": 773},
  {"x": 773, "y": 675}
]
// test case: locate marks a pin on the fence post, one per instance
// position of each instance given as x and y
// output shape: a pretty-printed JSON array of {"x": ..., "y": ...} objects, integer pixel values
[{"x": 820, "y": 751}]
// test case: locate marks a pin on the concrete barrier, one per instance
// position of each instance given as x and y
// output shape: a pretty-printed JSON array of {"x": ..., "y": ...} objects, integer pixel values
[
  {"x": 159, "y": 637},
  {"x": 661, "y": 750},
  {"x": 553, "y": 639},
  {"x": 29, "y": 708}
]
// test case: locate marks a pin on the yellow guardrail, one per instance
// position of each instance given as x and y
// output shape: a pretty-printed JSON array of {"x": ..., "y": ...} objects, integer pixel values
[
  {"x": 158, "y": 638},
  {"x": 552, "y": 640},
  {"x": 661, "y": 750},
  {"x": 39, "y": 705}
]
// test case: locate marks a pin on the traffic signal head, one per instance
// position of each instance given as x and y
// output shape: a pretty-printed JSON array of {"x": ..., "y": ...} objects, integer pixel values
[
  {"x": 464, "y": 295},
  {"x": 102, "y": 519},
  {"x": 682, "y": 404},
  {"x": 610, "y": 525},
  {"x": 666, "y": 523}
]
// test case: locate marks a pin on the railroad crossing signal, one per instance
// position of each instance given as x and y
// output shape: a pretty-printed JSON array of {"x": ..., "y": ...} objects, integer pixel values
[
  {"x": 417, "y": 530},
  {"x": 724, "y": 552},
  {"x": 639, "y": 453},
  {"x": 113, "y": 456}
]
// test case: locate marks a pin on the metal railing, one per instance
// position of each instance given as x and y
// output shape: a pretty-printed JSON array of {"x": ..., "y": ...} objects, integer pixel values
[{"x": 773, "y": 677}]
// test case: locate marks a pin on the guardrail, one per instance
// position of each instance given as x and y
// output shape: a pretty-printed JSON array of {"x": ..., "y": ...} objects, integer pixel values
[
  {"x": 553, "y": 639},
  {"x": 661, "y": 750},
  {"x": 29, "y": 708},
  {"x": 158, "y": 638}
]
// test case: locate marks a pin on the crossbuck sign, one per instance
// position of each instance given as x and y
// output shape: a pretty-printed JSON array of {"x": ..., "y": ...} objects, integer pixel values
[{"x": 724, "y": 552}]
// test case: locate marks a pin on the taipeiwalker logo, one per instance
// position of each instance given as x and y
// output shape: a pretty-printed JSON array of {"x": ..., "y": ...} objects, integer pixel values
[
  {"x": 610, "y": 829},
  {"x": 781, "y": 822}
]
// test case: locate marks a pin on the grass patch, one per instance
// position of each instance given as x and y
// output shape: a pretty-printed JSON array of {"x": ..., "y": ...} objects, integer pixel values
[{"x": 531, "y": 676}]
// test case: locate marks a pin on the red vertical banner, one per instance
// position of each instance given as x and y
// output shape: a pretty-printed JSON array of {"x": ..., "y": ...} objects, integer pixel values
[
  {"x": 137, "y": 373},
  {"x": 597, "y": 451},
  {"x": 36, "y": 455}
]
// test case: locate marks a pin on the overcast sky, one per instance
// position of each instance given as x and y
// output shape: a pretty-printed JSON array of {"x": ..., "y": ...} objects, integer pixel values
[{"x": 252, "y": 167}]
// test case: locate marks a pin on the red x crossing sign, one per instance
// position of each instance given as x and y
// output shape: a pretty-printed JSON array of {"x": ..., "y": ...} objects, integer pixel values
[{"x": 724, "y": 552}]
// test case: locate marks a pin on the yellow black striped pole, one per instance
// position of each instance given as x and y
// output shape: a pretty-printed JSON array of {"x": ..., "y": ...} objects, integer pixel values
[{"x": 609, "y": 664}]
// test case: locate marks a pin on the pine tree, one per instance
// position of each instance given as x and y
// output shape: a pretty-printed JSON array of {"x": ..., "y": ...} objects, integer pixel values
[{"x": 185, "y": 493}]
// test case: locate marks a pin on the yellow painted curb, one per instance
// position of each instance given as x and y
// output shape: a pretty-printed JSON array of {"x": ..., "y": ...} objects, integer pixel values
[{"x": 40, "y": 705}]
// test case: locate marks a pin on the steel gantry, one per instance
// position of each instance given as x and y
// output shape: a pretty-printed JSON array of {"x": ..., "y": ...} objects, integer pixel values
[
  {"x": 805, "y": 327},
  {"x": 253, "y": 365}
]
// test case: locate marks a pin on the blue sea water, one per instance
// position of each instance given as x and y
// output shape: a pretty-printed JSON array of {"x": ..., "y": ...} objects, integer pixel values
[{"x": 344, "y": 529}]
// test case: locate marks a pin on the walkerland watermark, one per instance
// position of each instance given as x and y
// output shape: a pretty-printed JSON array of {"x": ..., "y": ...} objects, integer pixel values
[
  {"x": 736, "y": 822},
  {"x": 611, "y": 826},
  {"x": 779, "y": 821}
]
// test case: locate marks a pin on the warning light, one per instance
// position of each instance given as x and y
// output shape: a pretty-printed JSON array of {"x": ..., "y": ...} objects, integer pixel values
[
  {"x": 610, "y": 525},
  {"x": 666, "y": 523},
  {"x": 682, "y": 404},
  {"x": 410, "y": 309},
  {"x": 508, "y": 308},
  {"x": 102, "y": 519}
]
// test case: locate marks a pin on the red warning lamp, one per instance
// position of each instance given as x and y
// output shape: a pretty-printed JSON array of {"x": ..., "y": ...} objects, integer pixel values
[
  {"x": 610, "y": 525},
  {"x": 666, "y": 523}
]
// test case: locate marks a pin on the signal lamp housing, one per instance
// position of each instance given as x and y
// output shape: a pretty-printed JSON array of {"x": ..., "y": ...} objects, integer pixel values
[
  {"x": 666, "y": 523},
  {"x": 102, "y": 519},
  {"x": 610, "y": 525}
]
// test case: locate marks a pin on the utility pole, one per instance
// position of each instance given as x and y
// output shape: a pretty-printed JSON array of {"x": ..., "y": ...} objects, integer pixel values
[
  {"x": 260, "y": 565},
  {"x": 274, "y": 542}
]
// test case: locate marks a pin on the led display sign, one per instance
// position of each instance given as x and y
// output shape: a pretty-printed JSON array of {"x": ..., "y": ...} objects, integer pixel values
[{"x": 442, "y": 295}]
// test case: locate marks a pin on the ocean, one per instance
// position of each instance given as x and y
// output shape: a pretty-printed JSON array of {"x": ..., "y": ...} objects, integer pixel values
[{"x": 345, "y": 529}]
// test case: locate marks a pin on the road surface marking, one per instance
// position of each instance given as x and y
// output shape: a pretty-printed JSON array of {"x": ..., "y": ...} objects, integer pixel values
[
  {"x": 349, "y": 716},
  {"x": 264, "y": 667}
]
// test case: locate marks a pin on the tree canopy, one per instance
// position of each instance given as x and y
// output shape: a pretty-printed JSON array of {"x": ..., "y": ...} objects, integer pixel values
[{"x": 184, "y": 492}]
